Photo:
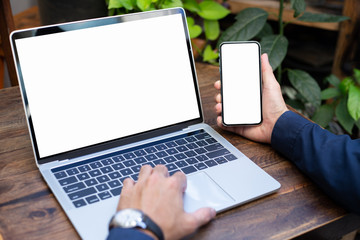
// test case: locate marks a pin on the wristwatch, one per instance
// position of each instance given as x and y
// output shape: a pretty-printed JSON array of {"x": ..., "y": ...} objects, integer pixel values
[{"x": 134, "y": 218}]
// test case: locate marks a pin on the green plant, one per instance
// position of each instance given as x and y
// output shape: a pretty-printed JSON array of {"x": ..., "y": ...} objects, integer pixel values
[
  {"x": 209, "y": 12},
  {"x": 343, "y": 104},
  {"x": 251, "y": 23}
]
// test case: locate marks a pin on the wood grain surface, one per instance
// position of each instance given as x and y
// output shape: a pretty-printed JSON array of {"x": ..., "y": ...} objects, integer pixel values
[{"x": 28, "y": 209}]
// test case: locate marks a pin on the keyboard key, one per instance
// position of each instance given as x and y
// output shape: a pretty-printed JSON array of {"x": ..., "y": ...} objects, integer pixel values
[
  {"x": 118, "y": 166},
  {"x": 180, "y": 142},
  {"x": 181, "y": 164},
  {"x": 79, "y": 203},
  {"x": 190, "y": 153},
  {"x": 171, "y": 144},
  {"x": 189, "y": 169},
  {"x": 135, "y": 177},
  {"x": 191, "y": 146},
  {"x": 221, "y": 160},
  {"x": 95, "y": 173},
  {"x": 218, "y": 153},
  {"x": 148, "y": 163},
  {"x": 190, "y": 139},
  {"x": 151, "y": 157},
  {"x": 214, "y": 147},
  {"x": 92, "y": 199},
  {"x": 161, "y": 154},
  {"x": 66, "y": 181},
  {"x": 210, "y": 140},
  {"x": 200, "y": 166},
  {"x": 102, "y": 187},
  {"x": 230, "y": 157},
  {"x": 202, "y": 143},
  {"x": 150, "y": 150},
  {"x": 173, "y": 172},
  {"x": 123, "y": 179},
  {"x": 81, "y": 193},
  {"x": 211, "y": 163},
  {"x": 159, "y": 161},
  {"x": 60, "y": 175},
  {"x": 141, "y": 160},
  {"x": 202, "y": 136},
  {"x": 172, "y": 151},
  {"x": 136, "y": 168},
  {"x": 202, "y": 157},
  {"x": 114, "y": 183},
  {"x": 129, "y": 155},
  {"x": 160, "y": 147},
  {"x": 129, "y": 163},
  {"x": 126, "y": 172},
  {"x": 84, "y": 168},
  {"x": 140, "y": 153},
  {"x": 95, "y": 165},
  {"x": 170, "y": 159},
  {"x": 74, "y": 187},
  {"x": 180, "y": 156},
  {"x": 116, "y": 191},
  {"x": 107, "y": 161},
  {"x": 191, "y": 160},
  {"x": 107, "y": 169},
  {"x": 104, "y": 195},
  {"x": 200, "y": 150},
  {"x": 118, "y": 158},
  {"x": 171, "y": 167},
  {"x": 114, "y": 175},
  {"x": 91, "y": 182},
  {"x": 103, "y": 178},
  {"x": 182, "y": 148},
  {"x": 72, "y": 171}
]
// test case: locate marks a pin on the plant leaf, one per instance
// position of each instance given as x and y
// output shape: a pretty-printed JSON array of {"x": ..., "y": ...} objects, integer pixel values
[
  {"x": 212, "y": 10},
  {"x": 330, "y": 93},
  {"x": 172, "y": 4},
  {"x": 265, "y": 31},
  {"x": 353, "y": 104},
  {"x": 249, "y": 23},
  {"x": 212, "y": 29},
  {"x": 323, "y": 115},
  {"x": 114, "y": 4},
  {"x": 143, "y": 5},
  {"x": 209, "y": 55},
  {"x": 333, "y": 80},
  {"x": 321, "y": 17},
  {"x": 299, "y": 7},
  {"x": 357, "y": 75},
  {"x": 191, "y": 5},
  {"x": 276, "y": 48},
  {"x": 127, "y": 4},
  {"x": 194, "y": 30},
  {"x": 306, "y": 86},
  {"x": 343, "y": 116}
]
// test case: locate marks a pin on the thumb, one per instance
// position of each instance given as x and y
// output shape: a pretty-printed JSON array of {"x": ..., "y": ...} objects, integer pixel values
[{"x": 203, "y": 215}]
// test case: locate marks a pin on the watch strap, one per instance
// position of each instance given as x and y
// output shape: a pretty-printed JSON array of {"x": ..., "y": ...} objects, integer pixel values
[{"x": 153, "y": 227}]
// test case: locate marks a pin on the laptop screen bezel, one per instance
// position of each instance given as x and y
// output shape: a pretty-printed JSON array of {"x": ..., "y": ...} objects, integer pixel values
[{"x": 73, "y": 26}]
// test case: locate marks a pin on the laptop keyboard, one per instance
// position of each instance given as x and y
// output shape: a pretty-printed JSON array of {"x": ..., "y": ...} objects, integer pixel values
[{"x": 100, "y": 178}]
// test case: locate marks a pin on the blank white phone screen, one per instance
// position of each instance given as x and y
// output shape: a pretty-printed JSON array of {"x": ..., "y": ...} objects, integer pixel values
[{"x": 241, "y": 83}]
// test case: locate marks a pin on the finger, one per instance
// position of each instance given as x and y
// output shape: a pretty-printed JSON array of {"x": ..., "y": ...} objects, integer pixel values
[
  {"x": 203, "y": 216},
  {"x": 126, "y": 193},
  {"x": 217, "y": 84},
  {"x": 145, "y": 172},
  {"x": 218, "y": 108},
  {"x": 181, "y": 178},
  {"x": 218, "y": 98},
  {"x": 162, "y": 170}
]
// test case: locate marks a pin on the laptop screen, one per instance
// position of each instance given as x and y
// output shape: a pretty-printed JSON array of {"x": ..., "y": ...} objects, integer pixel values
[{"x": 96, "y": 84}]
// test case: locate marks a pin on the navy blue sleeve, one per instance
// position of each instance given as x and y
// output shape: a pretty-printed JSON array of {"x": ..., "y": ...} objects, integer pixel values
[
  {"x": 127, "y": 233},
  {"x": 331, "y": 161}
]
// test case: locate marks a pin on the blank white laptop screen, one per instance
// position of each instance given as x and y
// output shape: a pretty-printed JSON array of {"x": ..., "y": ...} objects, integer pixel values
[{"x": 98, "y": 84}]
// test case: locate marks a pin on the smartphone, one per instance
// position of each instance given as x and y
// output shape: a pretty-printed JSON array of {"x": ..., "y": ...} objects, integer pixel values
[{"x": 240, "y": 75}]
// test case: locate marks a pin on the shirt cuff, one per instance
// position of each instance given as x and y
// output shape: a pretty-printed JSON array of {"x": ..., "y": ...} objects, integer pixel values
[
  {"x": 286, "y": 131},
  {"x": 127, "y": 233}
]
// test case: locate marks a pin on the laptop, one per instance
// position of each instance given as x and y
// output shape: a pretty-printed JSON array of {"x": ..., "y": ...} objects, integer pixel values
[{"x": 105, "y": 96}]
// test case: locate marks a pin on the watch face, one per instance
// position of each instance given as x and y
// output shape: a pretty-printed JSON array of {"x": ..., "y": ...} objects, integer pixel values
[{"x": 129, "y": 218}]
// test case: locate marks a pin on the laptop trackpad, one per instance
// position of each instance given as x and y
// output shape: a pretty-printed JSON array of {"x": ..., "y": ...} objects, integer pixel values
[{"x": 202, "y": 191}]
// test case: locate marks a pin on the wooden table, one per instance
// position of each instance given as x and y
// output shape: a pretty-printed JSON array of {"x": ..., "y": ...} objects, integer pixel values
[{"x": 28, "y": 209}]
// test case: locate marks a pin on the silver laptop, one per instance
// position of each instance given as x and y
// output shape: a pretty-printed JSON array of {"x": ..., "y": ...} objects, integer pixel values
[{"x": 103, "y": 97}]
